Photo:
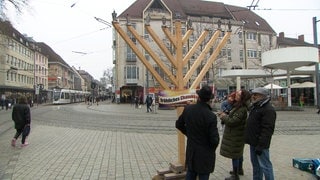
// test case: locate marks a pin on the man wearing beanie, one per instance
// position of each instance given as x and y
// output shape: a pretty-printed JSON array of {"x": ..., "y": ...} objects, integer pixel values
[
  {"x": 258, "y": 133},
  {"x": 199, "y": 124}
]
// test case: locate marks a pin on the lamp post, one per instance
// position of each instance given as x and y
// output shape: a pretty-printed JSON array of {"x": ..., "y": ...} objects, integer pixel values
[{"x": 315, "y": 40}]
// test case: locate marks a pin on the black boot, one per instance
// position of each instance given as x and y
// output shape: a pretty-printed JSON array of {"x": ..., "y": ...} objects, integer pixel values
[
  {"x": 235, "y": 174},
  {"x": 240, "y": 172}
]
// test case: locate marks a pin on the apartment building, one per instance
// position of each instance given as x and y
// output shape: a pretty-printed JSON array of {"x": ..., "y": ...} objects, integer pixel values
[
  {"x": 79, "y": 82},
  {"x": 33, "y": 68},
  {"x": 17, "y": 56},
  {"x": 251, "y": 36}
]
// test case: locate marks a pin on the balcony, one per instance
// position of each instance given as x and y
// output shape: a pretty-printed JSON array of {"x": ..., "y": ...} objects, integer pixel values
[{"x": 131, "y": 81}]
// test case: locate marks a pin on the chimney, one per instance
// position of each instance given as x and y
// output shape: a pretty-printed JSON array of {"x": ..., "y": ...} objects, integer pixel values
[
  {"x": 301, "y": 38},
  {"x": 281, "y": 35}
]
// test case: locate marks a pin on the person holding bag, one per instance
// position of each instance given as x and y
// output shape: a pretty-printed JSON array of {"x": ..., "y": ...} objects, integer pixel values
[{"x": 21, "y": 116}]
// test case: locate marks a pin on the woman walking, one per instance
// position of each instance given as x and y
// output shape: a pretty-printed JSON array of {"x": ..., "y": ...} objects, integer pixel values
[{"x": 22, "y": 118}]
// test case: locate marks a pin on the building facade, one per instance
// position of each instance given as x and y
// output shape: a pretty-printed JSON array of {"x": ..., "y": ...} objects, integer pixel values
[
  {"x": 33, "y": 68},
  {"x": 251, "y": 36},
  {"x": 16, "y": 63}
]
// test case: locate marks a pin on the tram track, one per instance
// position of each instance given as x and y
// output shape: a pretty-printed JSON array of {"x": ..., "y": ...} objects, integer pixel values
[{"x": 114, "y": 118}]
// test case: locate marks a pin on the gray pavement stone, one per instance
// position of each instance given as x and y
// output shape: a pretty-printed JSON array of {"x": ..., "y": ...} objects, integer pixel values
[{"x": 79, "y": 153}]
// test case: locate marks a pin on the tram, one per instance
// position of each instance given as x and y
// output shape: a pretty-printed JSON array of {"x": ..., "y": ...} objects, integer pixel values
[{"x": 67, "y": 96}]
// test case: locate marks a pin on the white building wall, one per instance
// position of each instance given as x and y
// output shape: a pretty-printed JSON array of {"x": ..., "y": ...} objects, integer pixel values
[{"x": 222, "y": 62}]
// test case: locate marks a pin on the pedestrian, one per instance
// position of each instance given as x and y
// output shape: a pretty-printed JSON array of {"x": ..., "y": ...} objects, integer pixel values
[
  {"x": 149, "y": 103},
  {"x": 232, "y": 143},
  {"x": 6, "y": 102},
  {"x": 199, "y": 124},
  {"x": 136, "y": 102},
  {"x": 258, "y": 133},
  {"x": 3, "y": 97},
  {"x": 227, "y": 105},
  {"x": 22, "y": 119},
  {"x": 301, "y": 100}
]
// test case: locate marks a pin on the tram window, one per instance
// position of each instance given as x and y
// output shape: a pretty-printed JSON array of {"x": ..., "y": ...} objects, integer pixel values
[
  {"x": 67, "y": 96},
  {"x": 62, "y": 95}
]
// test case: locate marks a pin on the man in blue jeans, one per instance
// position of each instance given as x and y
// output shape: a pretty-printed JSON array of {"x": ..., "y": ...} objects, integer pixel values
[{"x": 258, "y": 133}]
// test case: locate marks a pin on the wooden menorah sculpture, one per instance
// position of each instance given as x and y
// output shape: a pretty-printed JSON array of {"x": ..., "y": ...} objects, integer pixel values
[{"x": 178, "y": 61}]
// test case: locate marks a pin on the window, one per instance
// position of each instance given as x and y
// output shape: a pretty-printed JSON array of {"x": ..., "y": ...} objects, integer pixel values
[
  {"x": 147, "y": 56},
  {"x": 131, "y": 56},
  {"x": 240, "y": 38},
  {"x": 223, "y": 53},
  {"x": 67, "y": 96},
  {"x": 241, "y": 55},
  {"x": 229, "y": 54},
  {"x": 259, "y": 55},
  {"x": 160, "y": 72},
  {"x": 131, "y": 72},
  {"x": 221, "y": 35},
  {"x": 251, "y": 36},
  {"x": 146, "y": 35},
  {"x": 220, "y": 70},
  {"x": 252, "y": 53}
]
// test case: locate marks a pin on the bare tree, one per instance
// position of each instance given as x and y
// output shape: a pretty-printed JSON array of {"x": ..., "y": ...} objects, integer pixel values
[
  {"x": 18, "y": 5},
  {"x": 107, "y": 77}
]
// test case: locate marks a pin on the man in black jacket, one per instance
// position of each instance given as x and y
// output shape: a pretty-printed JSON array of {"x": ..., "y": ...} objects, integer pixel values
[
  {"x": 22, "y": 119},
  {"x": 199, "y": 124},
  {"x": 259, "y": 130}
]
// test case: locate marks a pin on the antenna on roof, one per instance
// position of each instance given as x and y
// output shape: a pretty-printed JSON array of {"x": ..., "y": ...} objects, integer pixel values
[{"x": 253, "y": 6}]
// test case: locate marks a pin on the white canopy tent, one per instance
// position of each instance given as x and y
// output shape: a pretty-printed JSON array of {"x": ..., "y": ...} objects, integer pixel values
[
  {"x": 303, "y": 85},
  {"x": 273, "y": 86},
  {"x": 289, "y": 59}
]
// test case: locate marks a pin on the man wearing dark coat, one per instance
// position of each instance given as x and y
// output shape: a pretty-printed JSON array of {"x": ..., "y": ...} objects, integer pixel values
[
  {"x": 258, "y": 133},
  {"x": 199, "y": 124},
  {"x": 22, "y": 117}
]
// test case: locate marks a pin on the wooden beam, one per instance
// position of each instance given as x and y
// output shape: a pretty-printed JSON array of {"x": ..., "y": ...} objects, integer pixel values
[
  {"x": 196, "y": 45},
  {"x": 204, "y": 52},
  {"x": 140, "y": 55},
  {"x": 153, "y": 56},
  {"x": 179, "y": 55},
  {"x": 187, "y": 36},
  {"x": 179, "y": 74},
  {"x": 161, "y": 46},
  {"x": 211, "y": 59},
  {"x": 171, "y": 38}
]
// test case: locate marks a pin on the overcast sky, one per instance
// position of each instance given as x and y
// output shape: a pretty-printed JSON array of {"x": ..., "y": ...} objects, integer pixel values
[{"x": 69, "y": 27}]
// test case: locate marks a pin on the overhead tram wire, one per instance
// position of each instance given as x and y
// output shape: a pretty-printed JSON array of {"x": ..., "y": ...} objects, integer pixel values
[
  {"x": 81, "y": 35},
  {"x": 85, "y": 34},
  {"x": 270, "y": 9}
]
